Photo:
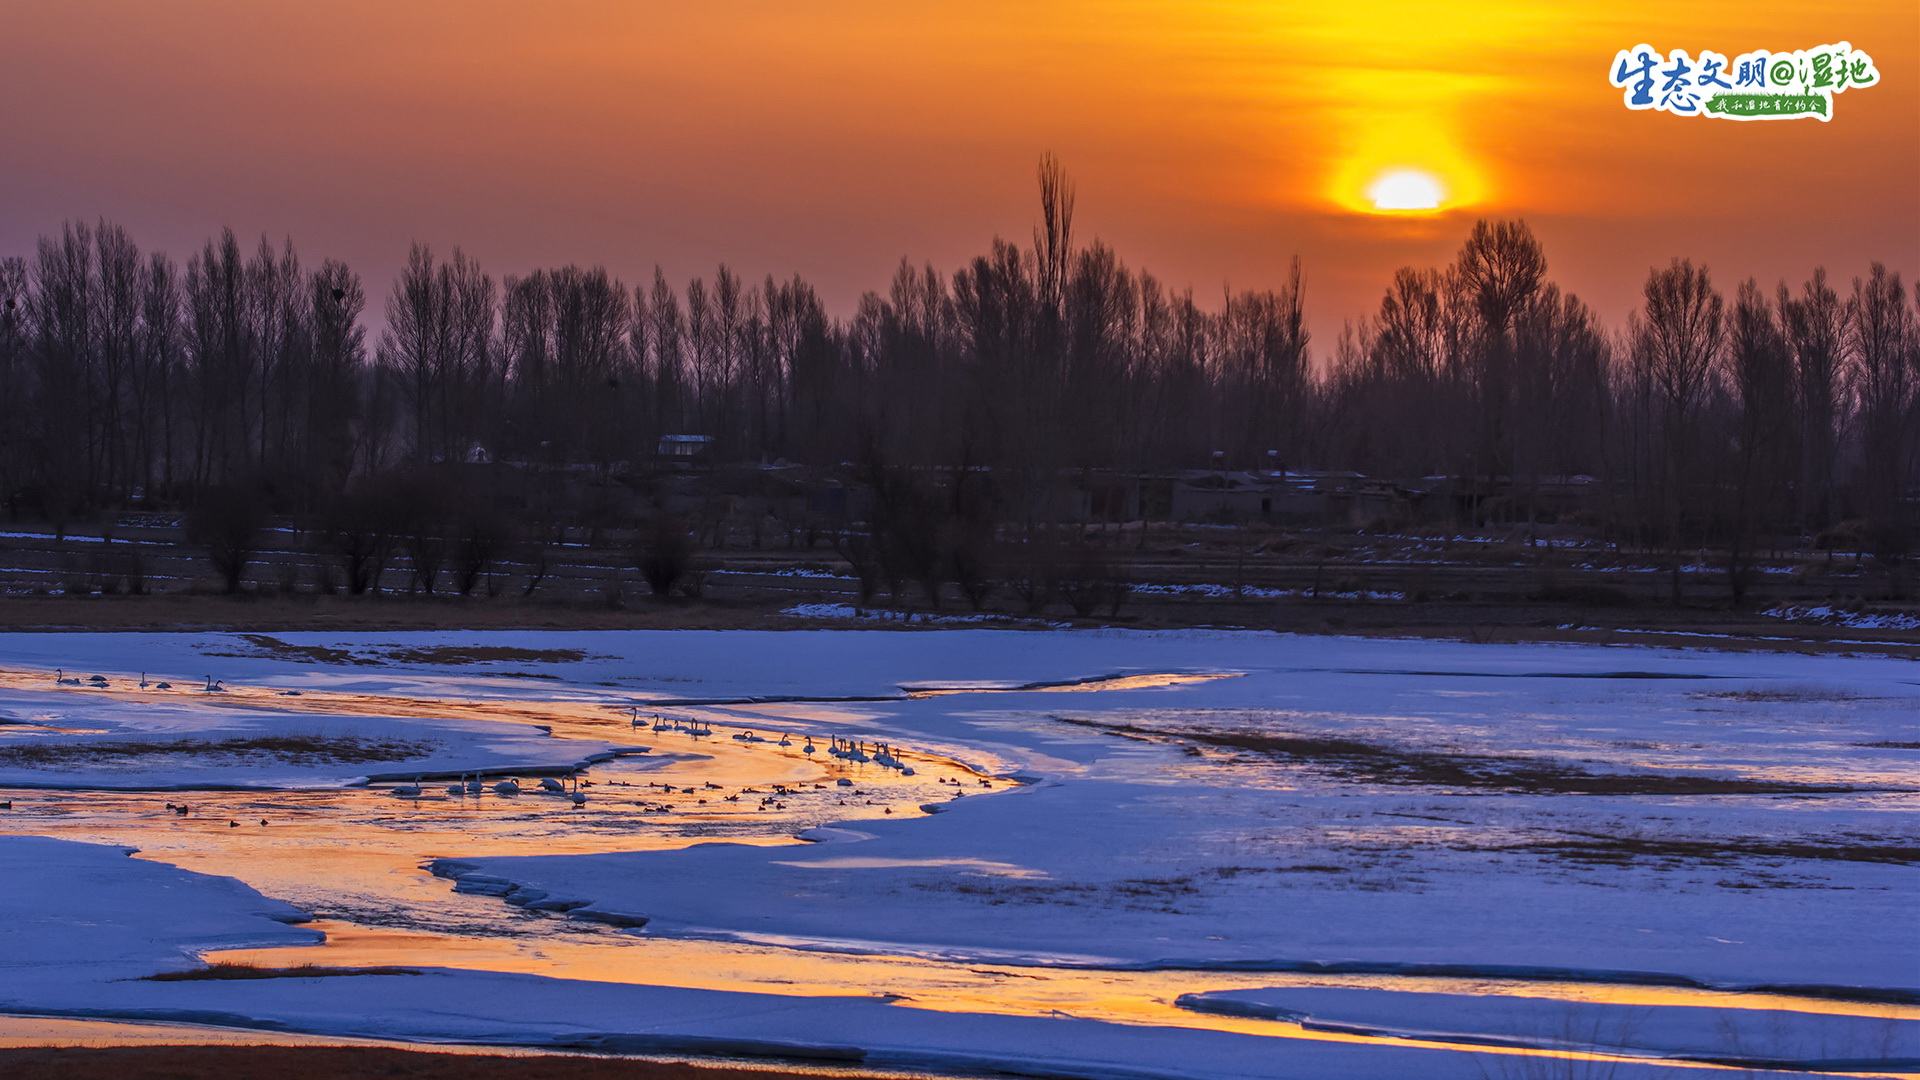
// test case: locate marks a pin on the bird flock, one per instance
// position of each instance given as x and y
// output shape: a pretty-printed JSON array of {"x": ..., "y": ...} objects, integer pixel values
[
  {"x": 99, "y": 682},
  {"x": 570, "y": 788}
]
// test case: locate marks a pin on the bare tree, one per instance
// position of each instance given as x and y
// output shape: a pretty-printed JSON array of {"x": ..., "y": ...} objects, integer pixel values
[
  {"x": 1676, "y": 347},
  {"x": 226, "y": 521},
  {"x": 1879, "y": 349},
  {"x": 1761, "y": 373},
  {"x": 1501, "y": 267},
  {"x": 1814, "y": 325}
]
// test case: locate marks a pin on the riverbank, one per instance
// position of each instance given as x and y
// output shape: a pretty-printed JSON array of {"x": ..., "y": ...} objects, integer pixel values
[{"x": 365, "y": 1063}]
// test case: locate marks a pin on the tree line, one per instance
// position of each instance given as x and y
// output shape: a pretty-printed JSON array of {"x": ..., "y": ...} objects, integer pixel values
[{"x": 1706, "y": 418}]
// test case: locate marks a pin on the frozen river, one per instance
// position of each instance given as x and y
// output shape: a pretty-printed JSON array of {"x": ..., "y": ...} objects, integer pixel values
[{"x": 1113, "y": 854}]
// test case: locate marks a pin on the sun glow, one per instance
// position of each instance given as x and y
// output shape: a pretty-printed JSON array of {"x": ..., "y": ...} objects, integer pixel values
[{"x": 1403, "y": 190}]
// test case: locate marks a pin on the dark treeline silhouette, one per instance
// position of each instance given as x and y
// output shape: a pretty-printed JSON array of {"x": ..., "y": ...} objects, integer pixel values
[{"x": 132, "y": 379}]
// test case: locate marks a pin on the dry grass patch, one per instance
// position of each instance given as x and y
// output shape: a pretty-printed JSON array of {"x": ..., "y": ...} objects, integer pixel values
[
  {"x": 226, "y": 972},
  {"x": 1365, "y": 762},
  {"x": 291, "y": 749},
  {"x": 356, "y": 1063},
  {"x": 486, "y": 654}
]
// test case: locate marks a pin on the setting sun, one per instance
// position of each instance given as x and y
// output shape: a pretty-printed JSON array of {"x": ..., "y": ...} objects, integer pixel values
[{"x": 1405, "y": 190}]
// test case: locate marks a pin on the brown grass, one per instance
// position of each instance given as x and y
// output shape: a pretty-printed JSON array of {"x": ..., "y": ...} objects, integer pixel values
[
  {"x": 350, "y": 1063},
  {"x": 229, "y": 972},
  {"x": 739, "y": 608},
  {"x": 484, "y": 654},
  {"x": 1781, "y": 695},
  {"x": 1625, "y": 849},
  {"x": 1370, "y": 763},
  {"x": 294, "y": 749},
  {"x": 276, "y": 649}
]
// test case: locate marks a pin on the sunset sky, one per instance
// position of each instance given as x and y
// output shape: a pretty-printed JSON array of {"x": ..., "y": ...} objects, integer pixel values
[{"x": 1210, "y": 139}]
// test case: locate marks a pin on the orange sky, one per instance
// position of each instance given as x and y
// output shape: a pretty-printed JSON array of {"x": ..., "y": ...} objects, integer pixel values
[{"x": 1210, "y": 139}]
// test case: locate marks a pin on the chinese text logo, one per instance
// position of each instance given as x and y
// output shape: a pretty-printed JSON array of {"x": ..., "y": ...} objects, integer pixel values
[{"x": 1755, "y": 86}]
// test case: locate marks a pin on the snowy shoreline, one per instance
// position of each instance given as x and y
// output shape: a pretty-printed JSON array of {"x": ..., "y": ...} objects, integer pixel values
[{"x": 1692, "y": 820}]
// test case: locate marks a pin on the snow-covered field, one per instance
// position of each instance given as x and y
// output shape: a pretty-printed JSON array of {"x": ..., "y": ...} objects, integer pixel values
[{"x": 1544, "y": 815}]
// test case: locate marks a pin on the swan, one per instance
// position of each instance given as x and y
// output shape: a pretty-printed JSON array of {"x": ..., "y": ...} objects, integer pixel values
[
  {"x": 163, "y": 686},
  {"x": 60, "y": 678},
  {"x": 143, "y": 680},
  {"x": 474, "y": 787},
  {"x": 97, "y": 680},
  {"x": 784, "y": 741},
  {"x": 408, "y": 791},
  {"x": 214, "y": 686},
  {"x": 507, "y": 787},
  {"x": 548, "y": 783},
  {"x": 456, "y": 789},
  {"x": 809, "y": 748}
]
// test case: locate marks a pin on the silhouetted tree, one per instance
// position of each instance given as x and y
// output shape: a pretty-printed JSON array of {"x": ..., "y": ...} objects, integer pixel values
[{"x": 226, "y": 522}]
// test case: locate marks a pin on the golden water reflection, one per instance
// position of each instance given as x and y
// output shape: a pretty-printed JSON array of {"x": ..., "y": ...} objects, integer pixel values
[
  {"x": 354, "y": 856},
  {"x": 1127, "y": 997}
]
